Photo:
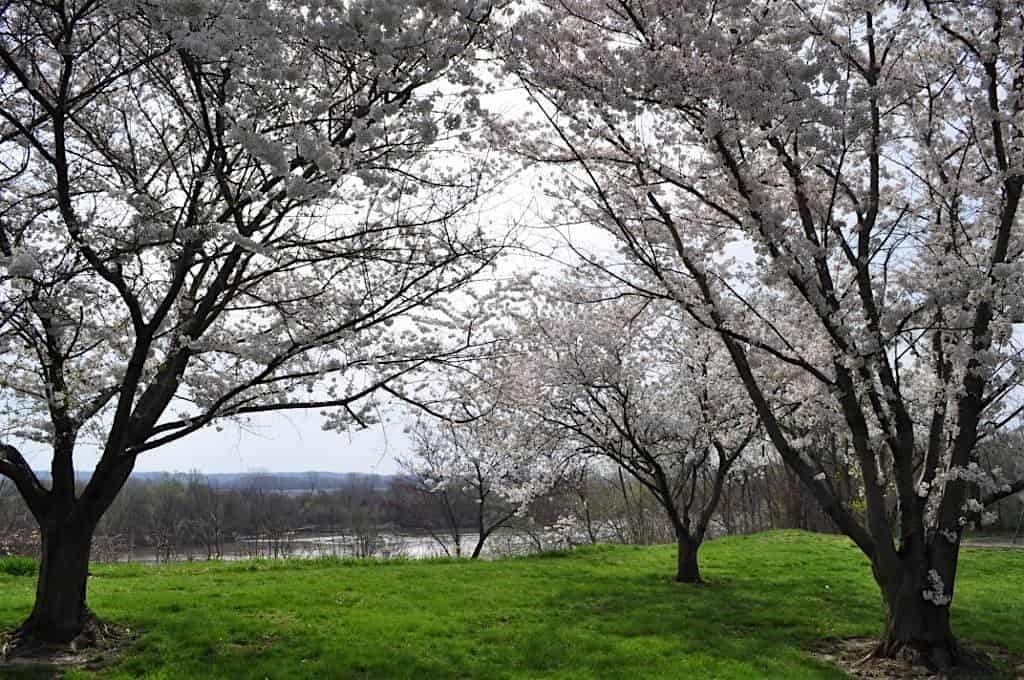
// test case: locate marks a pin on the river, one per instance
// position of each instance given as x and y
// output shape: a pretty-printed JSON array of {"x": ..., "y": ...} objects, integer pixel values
[{"x": 295, "y": 545}]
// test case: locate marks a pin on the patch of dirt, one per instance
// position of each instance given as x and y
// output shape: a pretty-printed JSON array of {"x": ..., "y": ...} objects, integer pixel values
[
  {"x": 99, "y": 645},
  {"x": 851, "y": 655}
]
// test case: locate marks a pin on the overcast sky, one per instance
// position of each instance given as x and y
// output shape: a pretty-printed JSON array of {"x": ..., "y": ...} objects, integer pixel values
[{"x": 292, "y": 442}]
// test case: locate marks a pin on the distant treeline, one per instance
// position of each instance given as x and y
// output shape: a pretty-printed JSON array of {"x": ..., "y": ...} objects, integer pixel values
[{"x": 198, "y": 516}]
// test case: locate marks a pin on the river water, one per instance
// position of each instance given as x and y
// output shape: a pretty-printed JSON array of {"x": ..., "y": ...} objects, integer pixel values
[{"x": 305, "y": 546}]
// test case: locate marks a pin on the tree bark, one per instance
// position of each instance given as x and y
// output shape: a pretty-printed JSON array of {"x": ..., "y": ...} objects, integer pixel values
[
  {"x": 60, "y": 613},
  {"x": 688, "y": 571},
  {"x": 479, "y": 547},
  {"x": 917, "y": 624},
  {"x": 918, "y": 630}
]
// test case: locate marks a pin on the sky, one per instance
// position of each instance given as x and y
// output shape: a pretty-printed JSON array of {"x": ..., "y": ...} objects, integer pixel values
[
  {"x": 275, "y": 442},
  {"x": 283, "y": 442}
]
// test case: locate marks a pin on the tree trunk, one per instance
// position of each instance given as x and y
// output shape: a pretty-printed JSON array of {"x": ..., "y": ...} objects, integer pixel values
[
  {"x": 589, "y": 523},
  {"x": 479, "y": 547},
  {"x": 916, "y": 629},
  {"x": 60, "y": 613},
  {"x": 688, "y": 571}
]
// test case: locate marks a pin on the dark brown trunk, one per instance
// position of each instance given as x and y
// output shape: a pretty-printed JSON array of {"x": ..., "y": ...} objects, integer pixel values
[
  {"x": 688, "y": 571},
  {"x": 917, "y": 630},
  {"x": 589, "y": 523},
  {"x": 60, "y": 613},
  {"x": 479, "y": 547}
]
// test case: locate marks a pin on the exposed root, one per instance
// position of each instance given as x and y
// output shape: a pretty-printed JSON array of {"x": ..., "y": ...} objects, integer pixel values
[
  {"x": 95, "y": 646},
  {"x": 943, "y": 658},
  {"x": 937, "y": 658},
  {"x": 866, "y": 658}
]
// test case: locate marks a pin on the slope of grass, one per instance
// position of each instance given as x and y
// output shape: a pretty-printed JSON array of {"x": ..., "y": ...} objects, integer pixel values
[{"x": 601, "y": 612}]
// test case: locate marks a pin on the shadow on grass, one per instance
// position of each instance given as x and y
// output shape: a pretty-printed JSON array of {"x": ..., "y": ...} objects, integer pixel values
[{"x": 721, "y": 629}]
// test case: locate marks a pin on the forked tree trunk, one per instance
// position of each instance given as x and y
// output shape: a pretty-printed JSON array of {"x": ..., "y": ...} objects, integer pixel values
[
  {"x": 60, "y": 613},
  {"x": 687, "y": 570}
]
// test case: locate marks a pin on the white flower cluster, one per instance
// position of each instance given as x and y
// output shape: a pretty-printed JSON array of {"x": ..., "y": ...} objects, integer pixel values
[
  {"x": 247, "y": 243},
  {"x": 937, "y": 593},
  {"x": 975, "y": 474},
  {"x": 563, "y": 532},
  {"x": 973, "y": 505}
]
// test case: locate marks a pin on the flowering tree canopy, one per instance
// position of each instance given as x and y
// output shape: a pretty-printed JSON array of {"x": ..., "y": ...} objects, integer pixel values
[
  {"x": 211, "y": 209},
  {"x": 500, "y": 470},
  {"x": 629, "y": 381},
  {"x": 834, "y": 189}
]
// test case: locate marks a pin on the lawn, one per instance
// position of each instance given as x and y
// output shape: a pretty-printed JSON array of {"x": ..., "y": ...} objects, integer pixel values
[{"x": 598, "y": 612}]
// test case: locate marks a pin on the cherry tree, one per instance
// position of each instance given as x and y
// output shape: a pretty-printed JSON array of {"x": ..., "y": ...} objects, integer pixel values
[
  {"x": 214, "y": 209},
  {"x": 499, "y": 471},
  {"x": 624, "y": 381},
  {"x": 834, "y": 189}
]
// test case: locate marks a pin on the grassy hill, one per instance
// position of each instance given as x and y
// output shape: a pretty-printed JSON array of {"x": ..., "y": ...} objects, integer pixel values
[{"x": 601, "y": 612}]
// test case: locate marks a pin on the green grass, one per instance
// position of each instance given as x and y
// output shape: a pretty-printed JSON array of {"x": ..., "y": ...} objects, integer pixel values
[
  {"x": 602, "y": 612},
  {"x": 19, "y": 566}
]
